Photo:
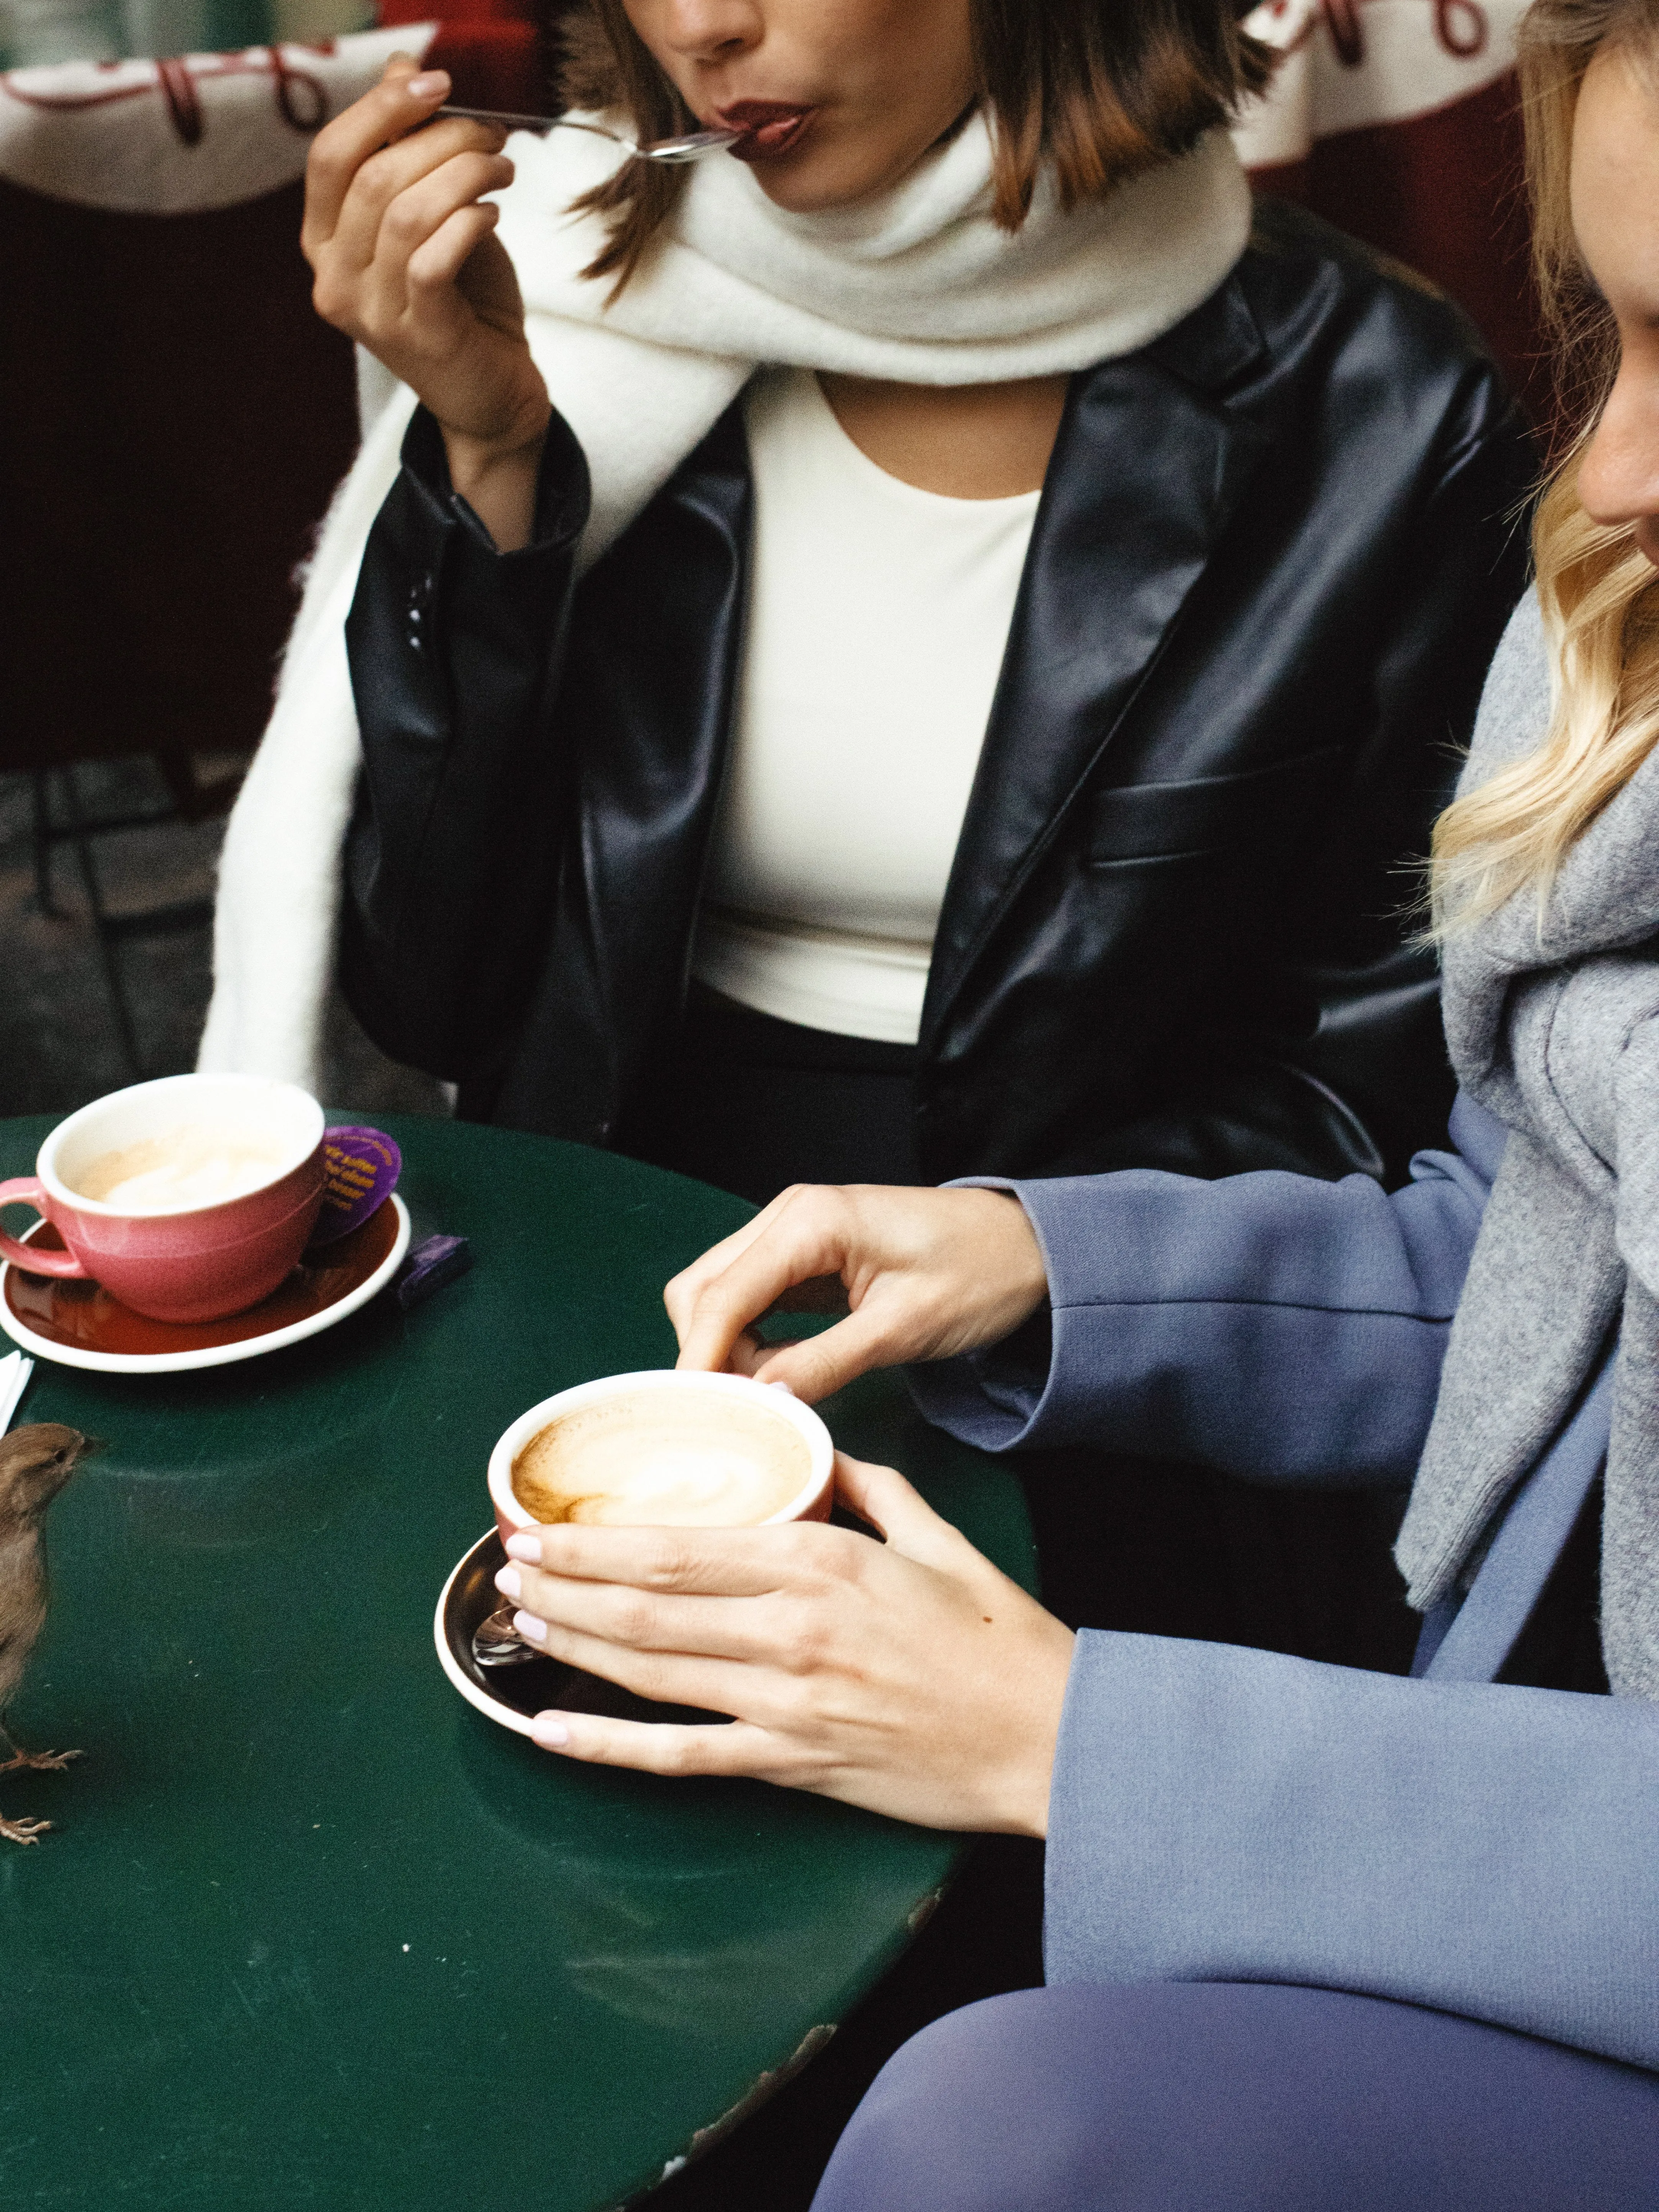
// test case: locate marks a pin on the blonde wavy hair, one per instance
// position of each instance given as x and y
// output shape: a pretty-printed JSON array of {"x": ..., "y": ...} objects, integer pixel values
[{"x": 1598, "y": 592}]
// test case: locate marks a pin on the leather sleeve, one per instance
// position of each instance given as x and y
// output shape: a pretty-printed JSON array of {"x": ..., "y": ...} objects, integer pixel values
[{"x": 454, "y": 854}]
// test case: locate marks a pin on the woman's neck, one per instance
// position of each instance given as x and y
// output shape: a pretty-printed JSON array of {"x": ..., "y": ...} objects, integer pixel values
[{"x": 965, "y": 442}]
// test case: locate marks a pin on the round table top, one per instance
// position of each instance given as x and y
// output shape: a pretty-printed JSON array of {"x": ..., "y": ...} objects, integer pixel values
[{"x": 308, "y": 1929}]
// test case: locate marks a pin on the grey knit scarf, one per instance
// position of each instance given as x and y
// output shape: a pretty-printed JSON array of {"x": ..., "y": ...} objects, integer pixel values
[{"x": 1554, "y": 1031}]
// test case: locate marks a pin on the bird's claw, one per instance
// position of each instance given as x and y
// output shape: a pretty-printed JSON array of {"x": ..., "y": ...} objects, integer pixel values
[
  {"x": 22, "y": 1832},
  {"x": 38, "y": 1762}
]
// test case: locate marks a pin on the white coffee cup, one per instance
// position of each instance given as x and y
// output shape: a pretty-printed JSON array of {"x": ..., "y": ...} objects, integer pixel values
[{"x": 693, "y": 1418}]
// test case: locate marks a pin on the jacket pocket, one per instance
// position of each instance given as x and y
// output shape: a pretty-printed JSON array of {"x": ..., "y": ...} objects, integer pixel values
[{"x": 1142, "y": 824}]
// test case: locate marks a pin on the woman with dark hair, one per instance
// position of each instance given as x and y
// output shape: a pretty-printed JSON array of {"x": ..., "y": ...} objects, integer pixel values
[{"x": 919, "y": 649}]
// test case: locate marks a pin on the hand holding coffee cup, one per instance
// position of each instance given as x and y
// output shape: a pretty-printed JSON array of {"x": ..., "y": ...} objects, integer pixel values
[
  {"x": 907, "y": 1675},
  {"x": 189, "y": 1198}
]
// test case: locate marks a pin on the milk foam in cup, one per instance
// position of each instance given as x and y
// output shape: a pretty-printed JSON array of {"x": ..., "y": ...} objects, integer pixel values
[
  {"x": 189, "y": 1166},
  {"x": 189, "y": 1198},
  {"x": 665, "y": 1448}
]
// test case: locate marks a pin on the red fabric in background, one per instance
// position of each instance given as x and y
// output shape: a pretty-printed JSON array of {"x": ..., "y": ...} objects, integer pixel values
[
  {"x": 493, "y": 49},
  {"x": 1445, "y": 193},
  {"x": 174, "y": 418},
  {"x": 494, "y": 64}
]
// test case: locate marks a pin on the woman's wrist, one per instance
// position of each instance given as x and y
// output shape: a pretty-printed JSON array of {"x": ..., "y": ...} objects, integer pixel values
[
  {"x": 497, "y": 478},
  {"x": 1027, "y": 1779}
]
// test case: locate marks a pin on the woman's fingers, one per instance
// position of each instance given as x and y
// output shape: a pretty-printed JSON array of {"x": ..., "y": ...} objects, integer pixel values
[
  {"x": 405, "y": 97},
  {"x": 751, "y": 1626},
  {"x": 657, "y": 1747},
  {"x": 434, "y": 265},
  {"x": 881, "y": 1495},
  {"x": 815, "y": 1367},
  {"x": 711, "y": 1302},
  {"x": 397, "y": 191},
  {"x": 927, "y": 1274},
  {"x": 684, "y": 1561},
  {"x": 748, "y": 1354},
  {"x": 683, "y": 1291},
  {"x": 795, "y": 1257},
  {"x": 667, "y": 1678},
  {"x": 420, "y": 217}
]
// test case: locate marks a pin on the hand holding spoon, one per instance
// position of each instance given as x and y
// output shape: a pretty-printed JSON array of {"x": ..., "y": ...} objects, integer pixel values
[{"x": 692, "y": 148}]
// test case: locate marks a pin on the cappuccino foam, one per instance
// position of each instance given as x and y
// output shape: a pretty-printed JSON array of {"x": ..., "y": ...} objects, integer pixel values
[
  {"x": 180, "y": 1170},
  {"x": 665, "y": 1458}
]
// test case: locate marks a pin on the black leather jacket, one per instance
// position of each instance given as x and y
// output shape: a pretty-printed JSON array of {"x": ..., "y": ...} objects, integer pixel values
[{"x": 1274, "y": 554}]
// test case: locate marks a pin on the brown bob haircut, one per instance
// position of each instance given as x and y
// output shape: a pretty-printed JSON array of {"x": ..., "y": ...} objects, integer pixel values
[{"x": 1100, "y": 88}]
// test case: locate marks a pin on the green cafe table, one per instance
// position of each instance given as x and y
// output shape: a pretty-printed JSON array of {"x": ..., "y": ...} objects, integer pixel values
[{"x": 308, "y": 1930}]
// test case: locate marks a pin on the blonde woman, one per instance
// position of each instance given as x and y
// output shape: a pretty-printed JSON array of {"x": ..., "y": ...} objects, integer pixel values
[{"x": 1315, "y": 1936}]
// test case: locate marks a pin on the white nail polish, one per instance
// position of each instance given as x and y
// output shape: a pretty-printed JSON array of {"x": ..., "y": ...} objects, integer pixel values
[
  {"x": 525, "y": 1545},
  {"x": 527, "y": 1624},
  {"x": 510, "y": 1583}
]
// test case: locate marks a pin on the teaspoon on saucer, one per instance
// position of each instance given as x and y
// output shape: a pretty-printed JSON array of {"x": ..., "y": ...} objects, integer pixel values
[
  {"x": 497, "y": 1643},
  {"x": 692, "y": 148}
]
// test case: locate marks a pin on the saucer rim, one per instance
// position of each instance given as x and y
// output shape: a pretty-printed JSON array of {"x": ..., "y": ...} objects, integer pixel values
[
  {"x": 210, "y": 1355},
  {"x": 504, "y": 1715}
]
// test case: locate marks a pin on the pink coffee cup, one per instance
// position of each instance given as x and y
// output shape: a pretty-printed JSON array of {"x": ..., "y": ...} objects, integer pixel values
[{"x": 193, "y": 1262}]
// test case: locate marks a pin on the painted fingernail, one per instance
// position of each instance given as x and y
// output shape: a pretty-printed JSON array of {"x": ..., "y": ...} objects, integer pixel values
[
  {"x": 552, "y": 1734},
  {"x": 525, "y": 1546},
  {"x": 428, "y": 85},
  {"x": 528, "y": 1625},
  {"x": 509, "y": 1582}
]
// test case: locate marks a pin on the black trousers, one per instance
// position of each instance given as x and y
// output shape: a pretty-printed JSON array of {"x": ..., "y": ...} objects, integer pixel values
[{"x": 751, "y": 1104}]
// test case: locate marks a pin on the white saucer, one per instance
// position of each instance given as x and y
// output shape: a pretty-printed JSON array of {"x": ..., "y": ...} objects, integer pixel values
[{"x": 210, "y": 1355}]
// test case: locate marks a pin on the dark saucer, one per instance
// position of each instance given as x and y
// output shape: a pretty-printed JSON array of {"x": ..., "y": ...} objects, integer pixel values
[{"x": 513, "y": 1695}]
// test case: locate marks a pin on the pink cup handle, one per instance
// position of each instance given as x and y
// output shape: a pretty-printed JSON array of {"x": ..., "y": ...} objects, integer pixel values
[{"x": 26, "y": 1190}]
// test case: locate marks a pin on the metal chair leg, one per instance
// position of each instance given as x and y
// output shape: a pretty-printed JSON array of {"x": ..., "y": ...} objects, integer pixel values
[{"x": 103, "y": 933}]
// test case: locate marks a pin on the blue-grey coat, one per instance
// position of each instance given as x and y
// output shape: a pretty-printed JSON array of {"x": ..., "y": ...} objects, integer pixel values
[{"x": 1233, "y": 1814}]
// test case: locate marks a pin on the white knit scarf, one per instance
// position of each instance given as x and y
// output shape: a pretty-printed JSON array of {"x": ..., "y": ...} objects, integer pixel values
[{"x": 920, "y": 287}]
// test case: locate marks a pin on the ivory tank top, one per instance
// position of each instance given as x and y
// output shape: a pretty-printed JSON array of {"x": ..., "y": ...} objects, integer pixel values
[{"x": 878, "y": 617}]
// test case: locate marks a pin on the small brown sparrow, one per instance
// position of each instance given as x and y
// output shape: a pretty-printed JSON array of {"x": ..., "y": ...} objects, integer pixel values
[{"x": 34, "y": 1465}]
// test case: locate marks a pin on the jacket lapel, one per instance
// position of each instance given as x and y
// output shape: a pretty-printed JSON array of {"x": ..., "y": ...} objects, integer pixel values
[{"x": 1146, "y": 471}]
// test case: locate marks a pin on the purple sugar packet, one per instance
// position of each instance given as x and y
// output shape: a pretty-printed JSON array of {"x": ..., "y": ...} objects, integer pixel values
[
  {"x": 360, "y": 1168},
  {"x": 432, "y": 1264}
]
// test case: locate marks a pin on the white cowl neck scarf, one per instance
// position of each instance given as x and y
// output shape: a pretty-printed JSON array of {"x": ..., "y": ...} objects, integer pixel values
[{"x": 920, "y": 286}]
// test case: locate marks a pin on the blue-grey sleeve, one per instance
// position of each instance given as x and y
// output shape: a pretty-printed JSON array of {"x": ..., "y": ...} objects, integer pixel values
[
  {"x": 1238, "y": 1815},
  {"x": 1280, "y": 1328}
]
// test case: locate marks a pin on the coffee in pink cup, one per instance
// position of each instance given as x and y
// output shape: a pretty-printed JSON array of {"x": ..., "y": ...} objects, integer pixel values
[
  {"x": 665, "y": 1448},
  {"x": 189, "y": 1198}
]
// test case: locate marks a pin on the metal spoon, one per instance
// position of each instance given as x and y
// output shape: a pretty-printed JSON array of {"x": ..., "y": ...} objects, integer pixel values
[
  {"x": 690, "y": 148},
  {"x": 497, "y": 1643}
]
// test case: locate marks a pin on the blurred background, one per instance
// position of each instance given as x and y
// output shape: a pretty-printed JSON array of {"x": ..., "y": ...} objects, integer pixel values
[{"x": 174, "y": 419}]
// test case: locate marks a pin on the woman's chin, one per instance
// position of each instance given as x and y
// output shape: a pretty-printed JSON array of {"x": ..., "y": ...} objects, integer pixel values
[{"x": 809, "y": 180}]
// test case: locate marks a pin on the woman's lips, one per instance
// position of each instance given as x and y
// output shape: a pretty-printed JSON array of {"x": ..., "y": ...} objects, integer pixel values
[{"x": 769, "y": 127}]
